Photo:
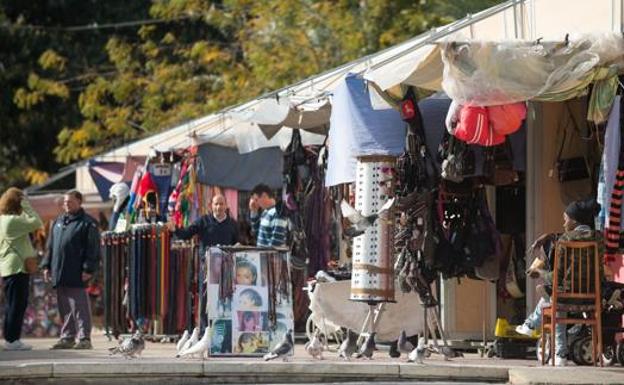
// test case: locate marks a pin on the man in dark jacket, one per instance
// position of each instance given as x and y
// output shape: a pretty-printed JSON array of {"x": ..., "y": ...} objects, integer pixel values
[
  {"x": 212, "y": 229},
  {"x": 72, "y": 257}
]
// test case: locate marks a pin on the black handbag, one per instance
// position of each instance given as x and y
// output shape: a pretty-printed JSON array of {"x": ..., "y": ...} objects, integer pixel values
[{"x": 574, "y": 168}]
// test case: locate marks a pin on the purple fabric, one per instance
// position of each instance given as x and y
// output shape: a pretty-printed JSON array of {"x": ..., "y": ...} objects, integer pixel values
[{"x": 316, "y": 212}]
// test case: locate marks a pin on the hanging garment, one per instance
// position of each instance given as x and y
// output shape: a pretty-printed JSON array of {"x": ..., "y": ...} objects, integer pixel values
[
  {"x": 161, "y": 175},
  {"x": 506, "y": 118},
  {"x": 610, "y": 160},
  {"x": 510, "y": 209},
  {"x": 474, "y": 127},
  {"x": 231, "y": 197}
]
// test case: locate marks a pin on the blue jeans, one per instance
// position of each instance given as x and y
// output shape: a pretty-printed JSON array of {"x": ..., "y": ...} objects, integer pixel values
[{"x": 534, "y": 321}]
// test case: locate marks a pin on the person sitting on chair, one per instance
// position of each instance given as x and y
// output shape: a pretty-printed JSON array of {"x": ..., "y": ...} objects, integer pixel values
[{"x": 578, "y": 224}]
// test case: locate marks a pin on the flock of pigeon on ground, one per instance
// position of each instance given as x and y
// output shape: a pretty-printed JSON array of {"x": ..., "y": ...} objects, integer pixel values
[{"x": 191, "y": 346}]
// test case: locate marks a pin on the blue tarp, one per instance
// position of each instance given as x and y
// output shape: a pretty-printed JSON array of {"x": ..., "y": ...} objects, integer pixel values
[
  {"x": 104, "y": 175},
  {"x": 357, "y": 129},
  {"x": 225, "y": 167}
]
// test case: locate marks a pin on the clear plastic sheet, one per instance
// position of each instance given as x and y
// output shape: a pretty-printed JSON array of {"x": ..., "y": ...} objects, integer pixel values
[{"x": 493, "y": 73}]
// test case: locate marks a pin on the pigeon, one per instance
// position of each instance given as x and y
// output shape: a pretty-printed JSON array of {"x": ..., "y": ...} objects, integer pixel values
[
  {"x": 191, "y": 341},
  {"x": 200, "y": 348},
  {"x": 121, "y": 346},
  {"x": 130, "y": 347},
  {"x": 403, "y": 344},
  {"x": 282, "y": 349},
  {"x": 448, "y": 353},
  {"x": 418, "y": 354},
  {"x": 182, "y": 341},
  {"x": 140, "y": 342},
  {"x": 360, "y": 222},
  {"x": 315, "y": 347},
  {"x": 348, "y": 346},
  {"x": 368, "y": 347},
  {"x": 322, "y": 276}
]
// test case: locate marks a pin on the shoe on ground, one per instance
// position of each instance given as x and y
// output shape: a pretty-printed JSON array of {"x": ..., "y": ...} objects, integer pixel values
[
  {"x": 63, "y": 344},
  {"x": 561, "y": 361},
  {"x": 16, "y": 345},
  {"x": 83, "y": 345},
  {"x": 525, "y": 330},
  {"x": 394, "y": 351}
]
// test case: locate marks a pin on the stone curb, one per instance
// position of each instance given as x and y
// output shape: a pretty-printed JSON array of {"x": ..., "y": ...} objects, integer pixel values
[
  {"x": 33, "y": 370},
  {"x": 256, "y": 372},
  {"x": 454, "y": 373},
  {"x": 568, "y": 375}
]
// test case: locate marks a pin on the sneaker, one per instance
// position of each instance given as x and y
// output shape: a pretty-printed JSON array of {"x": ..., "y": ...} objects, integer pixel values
[
  {"x": 16, "y": 345},
  {"x": 525, "y": 330},
  {"x": 84, "y": 345},
  {"x": 63, "y": 344},
  {"x": 560, "y": 361}
]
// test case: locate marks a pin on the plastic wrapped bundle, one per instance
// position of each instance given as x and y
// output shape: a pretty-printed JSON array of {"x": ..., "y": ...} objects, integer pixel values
[{"x": 494, "y": 73}]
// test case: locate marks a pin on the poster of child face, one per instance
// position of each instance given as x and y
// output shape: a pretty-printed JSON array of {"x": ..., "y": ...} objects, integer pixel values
[
  {"x": 282, "y": 325},
  {"x": 251, "y": 321},
  {"x": 249, "y": 343},
  {"x": 221, "y": 341},
  {"x": 218, "y": 308},
  {"x": 251, "y": 298},
  {"x": 248, "y": 269}
]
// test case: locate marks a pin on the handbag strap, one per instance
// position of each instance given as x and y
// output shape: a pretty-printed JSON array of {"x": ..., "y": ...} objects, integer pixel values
[{"x": 563, "y": 140}]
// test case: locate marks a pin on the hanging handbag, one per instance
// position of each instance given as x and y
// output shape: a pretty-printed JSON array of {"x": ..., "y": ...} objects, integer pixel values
[
  {"x": 498, "y": 167},
  {"x": 570, "y": 169},
  {"x": 459, "y": 161},
  {"x": 31, "y": 265},
  {"x": 512, "y": 278},
  {"x": 573, "y": 168}
]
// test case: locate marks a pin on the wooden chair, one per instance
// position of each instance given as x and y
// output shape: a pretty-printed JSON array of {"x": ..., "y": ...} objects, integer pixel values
[{"x": 575, "y": 289}]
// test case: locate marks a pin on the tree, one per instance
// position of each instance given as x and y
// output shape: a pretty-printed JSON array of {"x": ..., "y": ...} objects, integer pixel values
[
  {"x": 197, "y": 57},
  {"x": 44, "y": 66}
]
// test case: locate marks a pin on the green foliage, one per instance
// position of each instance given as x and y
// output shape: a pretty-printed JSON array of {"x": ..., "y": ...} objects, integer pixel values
[{"x": 120, "y": 84}]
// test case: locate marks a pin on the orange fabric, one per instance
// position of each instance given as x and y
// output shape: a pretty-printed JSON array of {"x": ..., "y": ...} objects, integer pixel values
[{"x": 507, "y": 118}]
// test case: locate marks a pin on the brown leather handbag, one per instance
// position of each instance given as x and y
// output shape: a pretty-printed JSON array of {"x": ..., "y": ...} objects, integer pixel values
[{"x": 31, "y": 265}]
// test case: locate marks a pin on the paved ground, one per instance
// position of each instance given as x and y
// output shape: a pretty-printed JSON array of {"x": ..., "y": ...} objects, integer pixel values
[
  {"x": 159, "y": 365},
  {"x": 159, "y": 351}
]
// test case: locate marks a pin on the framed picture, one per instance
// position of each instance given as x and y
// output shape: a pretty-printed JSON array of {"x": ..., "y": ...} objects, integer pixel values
[
  {"x": 241, "y": 323},
  {"x": 252, "y": 343},
  {"x": 221, "y": 341}
]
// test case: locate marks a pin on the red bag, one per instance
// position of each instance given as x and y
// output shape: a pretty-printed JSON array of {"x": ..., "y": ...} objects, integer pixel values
[
  {"x": 507, "y": 118},
  {"x": 474, "y": 127},
  {"x": 408, "y": 111}
]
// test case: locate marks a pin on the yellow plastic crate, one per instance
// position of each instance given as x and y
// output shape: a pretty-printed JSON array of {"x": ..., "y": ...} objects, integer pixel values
[{"x": 505, "y": 330}]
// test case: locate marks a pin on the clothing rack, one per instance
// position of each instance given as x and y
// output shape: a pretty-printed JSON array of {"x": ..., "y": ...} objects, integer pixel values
[{"x": 150, "y": 281}]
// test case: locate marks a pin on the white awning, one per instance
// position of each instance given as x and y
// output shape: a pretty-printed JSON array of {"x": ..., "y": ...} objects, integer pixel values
[{"x": 271, "y": 115}]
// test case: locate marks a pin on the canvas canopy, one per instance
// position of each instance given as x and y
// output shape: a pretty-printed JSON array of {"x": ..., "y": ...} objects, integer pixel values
[
  {"x": 416, "y": 62},
  {"x": 271, "y": 115}
]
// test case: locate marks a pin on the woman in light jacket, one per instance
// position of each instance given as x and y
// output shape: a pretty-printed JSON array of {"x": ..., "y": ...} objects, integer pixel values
[{"x": 17, "y": 220}]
